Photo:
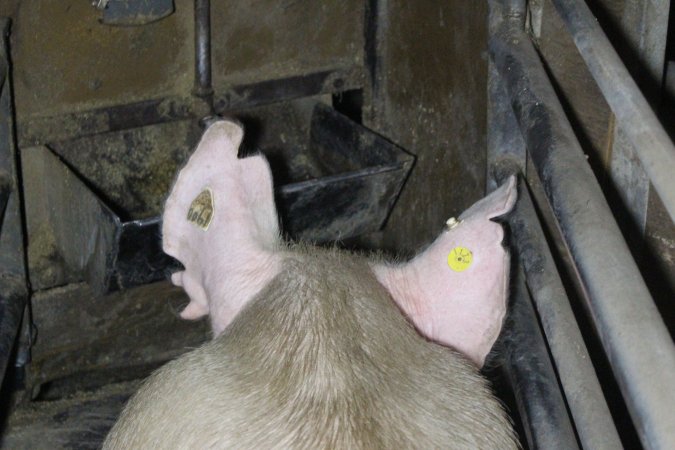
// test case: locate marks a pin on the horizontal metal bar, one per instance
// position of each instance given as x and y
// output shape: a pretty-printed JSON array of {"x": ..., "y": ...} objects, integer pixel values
[
  {"x": 591, "y": 415},
  {"x": 634, "y": 115},
  {"x": 34, "y": 131},
  {"x": 528, "y": 366},
  {"x": 637, "y": 343}
]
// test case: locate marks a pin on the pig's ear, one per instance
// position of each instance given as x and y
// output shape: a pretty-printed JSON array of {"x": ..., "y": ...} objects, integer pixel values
[
  {"x": 498, "y": 203},
  {"x": 455, "y": 291},
  {"x": 217, "y": 196},
  {"x": 220, "y": 213}
]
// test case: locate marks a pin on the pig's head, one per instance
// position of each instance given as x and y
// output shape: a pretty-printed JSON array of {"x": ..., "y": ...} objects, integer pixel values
[
  {"x": 221, "y": 224},
  {"x": 455, "y": 292}
]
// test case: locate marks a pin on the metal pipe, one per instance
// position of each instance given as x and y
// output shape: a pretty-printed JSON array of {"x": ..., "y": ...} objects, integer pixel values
[
  {"x": 202, "y": 12},
  {"x": 591, "y": 415},
  {"x": 528, "y": 367},
  {"x": 634, "y": 115},
  {"x": 637, "y": 343}
]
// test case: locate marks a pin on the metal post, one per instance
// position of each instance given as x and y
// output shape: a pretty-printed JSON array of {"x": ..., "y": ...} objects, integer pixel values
[
  {"x": 202, "y": 12},
  {"x": 631, "y": 329}
]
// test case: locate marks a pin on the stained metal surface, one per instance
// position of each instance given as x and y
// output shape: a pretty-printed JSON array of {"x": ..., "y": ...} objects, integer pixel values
[
  {"x": 80, "y": 422},
  {"x": 66, "y": 61},
  {"x": 82, "y": 333},
  {"x": 632, "y": 332},
  {"x": 261, "y": 40},
  {"x": 429, "y": 84},
  {"x": 56, "y": 128}
]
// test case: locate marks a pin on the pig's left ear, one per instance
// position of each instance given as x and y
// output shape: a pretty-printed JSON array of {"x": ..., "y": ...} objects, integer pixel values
[
  {"x": 498, "y": 203},
  {"x": 220, "y": 213},
  {"x": 455, "y": 291}
]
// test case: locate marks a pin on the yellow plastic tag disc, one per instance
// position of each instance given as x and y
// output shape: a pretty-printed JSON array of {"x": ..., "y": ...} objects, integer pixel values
[{"x": 460, "y": 258}]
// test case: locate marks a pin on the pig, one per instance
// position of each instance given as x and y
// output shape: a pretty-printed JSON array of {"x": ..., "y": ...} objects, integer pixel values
[{"x": 318, "y": 347}]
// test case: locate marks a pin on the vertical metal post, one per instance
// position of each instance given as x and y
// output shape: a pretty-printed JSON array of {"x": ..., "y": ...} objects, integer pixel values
[{"x": 203, "y": 88}]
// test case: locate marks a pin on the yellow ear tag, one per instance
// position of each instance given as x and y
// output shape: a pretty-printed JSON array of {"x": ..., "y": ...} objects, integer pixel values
[
  {"x": 460, "y": 258},
  {"x": 201, "y": 210}
]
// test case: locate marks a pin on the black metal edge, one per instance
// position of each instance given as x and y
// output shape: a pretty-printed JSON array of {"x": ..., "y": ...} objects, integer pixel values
[
  {"x": 40, "y": 130},
  {"x": 264, "y": 92}
]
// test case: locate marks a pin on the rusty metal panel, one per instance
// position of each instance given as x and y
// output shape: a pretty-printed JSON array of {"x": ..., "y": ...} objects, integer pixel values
[
  {"x": 65, "y": 60},
  {"x": 261, "y": 39},
  {"x": 82, "y": 333},
  {"x": 430, "y": 97}
]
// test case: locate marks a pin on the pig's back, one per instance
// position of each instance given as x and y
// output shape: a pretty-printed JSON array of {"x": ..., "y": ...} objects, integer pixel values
[{"x": 322, "y": 358}]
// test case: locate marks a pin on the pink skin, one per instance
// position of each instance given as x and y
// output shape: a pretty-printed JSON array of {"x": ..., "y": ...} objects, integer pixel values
[
  {"x": 464, "y": 310},
  {"x": 239, "y": 253},
  {"x": 227, "y": 264}
]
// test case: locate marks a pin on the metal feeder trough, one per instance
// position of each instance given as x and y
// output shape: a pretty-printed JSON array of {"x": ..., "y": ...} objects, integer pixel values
[{"x": 93, "y": 204}]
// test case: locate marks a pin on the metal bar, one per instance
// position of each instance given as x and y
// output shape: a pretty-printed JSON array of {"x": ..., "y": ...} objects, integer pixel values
[
  {"x": 202, "y": 11},
  {"x": 528, "y": 367},
  {"x": 591, "y": 415},
  {"x": 65, "y": 126},
  {"x": 634, "y": 115},
  {"x": 631, "y": 330}
]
